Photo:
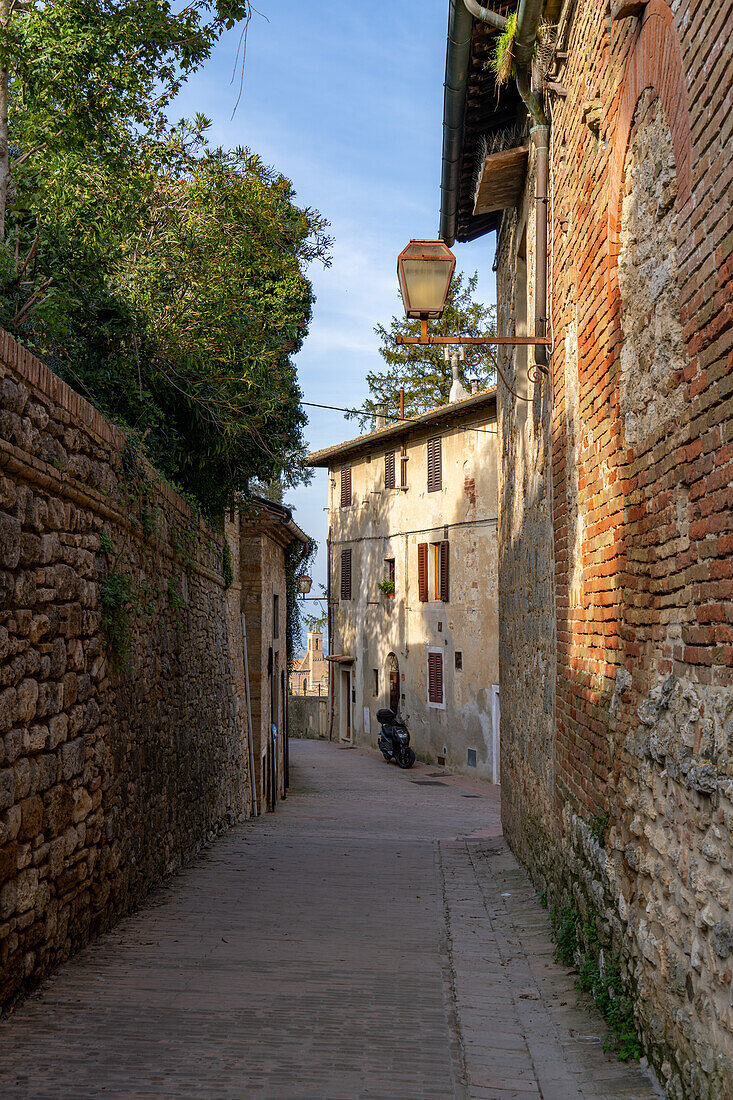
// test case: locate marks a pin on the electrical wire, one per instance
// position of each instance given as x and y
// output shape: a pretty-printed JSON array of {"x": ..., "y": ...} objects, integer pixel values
[{"x": 395, "y": 419}]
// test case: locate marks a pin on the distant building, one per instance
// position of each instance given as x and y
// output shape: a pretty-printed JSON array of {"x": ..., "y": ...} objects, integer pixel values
[
  {"x": 413, "y": 560},
  {"x": 309, "y": 674}
]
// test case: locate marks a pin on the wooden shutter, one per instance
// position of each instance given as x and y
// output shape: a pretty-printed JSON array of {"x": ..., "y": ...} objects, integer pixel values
[
  {"x": 435, "y": 677},
  {"x": 346, "y": 487},
  {"x": 403, "y": 466},
  {"x": 346, "y": 574},
  {"x": 422, "y": 572},
  {"x": 435, "y": 465},
  {"x": 444, "y": 570},
  {"x": 389, "y": 470}
]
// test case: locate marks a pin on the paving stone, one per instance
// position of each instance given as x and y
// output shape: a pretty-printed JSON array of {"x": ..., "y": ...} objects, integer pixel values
[{"x": 354, "y": 944}]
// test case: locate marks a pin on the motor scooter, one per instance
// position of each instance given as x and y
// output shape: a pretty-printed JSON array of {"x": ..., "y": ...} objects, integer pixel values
[{"x": 394, "y": 739}]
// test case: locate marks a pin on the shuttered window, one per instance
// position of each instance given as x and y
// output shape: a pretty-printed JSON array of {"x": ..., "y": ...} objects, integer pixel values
[
  {"x": 435, "y": 465},
  {"x": 435, "y": 677},
  {"x": 346, "y": 487},
  {"x": 403, "y": 466},
  {"x": 444, "y": 570},
  {"x": 346, "y": 574},
  {"x": 389, "y": 470},
  {"x": 422, "y": 572}
]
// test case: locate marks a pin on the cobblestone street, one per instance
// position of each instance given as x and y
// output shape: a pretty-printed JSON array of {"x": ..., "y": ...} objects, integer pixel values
[{"x": 372, "y": 939}]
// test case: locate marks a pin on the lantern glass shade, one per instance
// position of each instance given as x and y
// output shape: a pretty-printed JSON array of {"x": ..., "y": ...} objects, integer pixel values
[
  {"x": 304, "y": 583},
  {"x": 425, "y": 270}
]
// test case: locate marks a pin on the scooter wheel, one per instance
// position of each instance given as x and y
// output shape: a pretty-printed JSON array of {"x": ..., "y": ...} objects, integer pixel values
[{"x": 406, "y": 759}]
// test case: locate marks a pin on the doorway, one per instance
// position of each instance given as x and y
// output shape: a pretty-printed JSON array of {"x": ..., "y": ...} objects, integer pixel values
[
  {"x": 496, "y": 740},
  {"x": 393, "y": 679},
  {"x": 345, "y": 705}
]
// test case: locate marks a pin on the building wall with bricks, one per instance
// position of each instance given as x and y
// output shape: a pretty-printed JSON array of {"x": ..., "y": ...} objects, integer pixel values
[
  {"x": 123, "y": 736},
  {"x": 616, "y": 525}
]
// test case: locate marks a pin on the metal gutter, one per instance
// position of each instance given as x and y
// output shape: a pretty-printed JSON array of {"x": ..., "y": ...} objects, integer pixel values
[{"x": 458, "y": 54}]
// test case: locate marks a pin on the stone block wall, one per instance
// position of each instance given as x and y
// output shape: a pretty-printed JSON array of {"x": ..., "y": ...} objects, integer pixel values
[
  {"x": 621, "y": 518},
  {"x": 123, "y": 740},
  {"x": 308, "y": 717}
]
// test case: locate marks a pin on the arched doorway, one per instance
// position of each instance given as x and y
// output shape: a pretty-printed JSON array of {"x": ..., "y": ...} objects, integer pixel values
[{"x": 393, "y": 679}]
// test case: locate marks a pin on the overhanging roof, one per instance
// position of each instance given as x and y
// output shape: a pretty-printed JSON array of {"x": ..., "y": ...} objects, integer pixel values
[{"x": 478, "y": 405}]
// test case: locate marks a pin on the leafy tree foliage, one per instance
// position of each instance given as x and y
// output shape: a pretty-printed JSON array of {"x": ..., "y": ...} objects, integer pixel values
[
  {"x": 421, "y": 369},
  {"x": 162, "y": 278}
]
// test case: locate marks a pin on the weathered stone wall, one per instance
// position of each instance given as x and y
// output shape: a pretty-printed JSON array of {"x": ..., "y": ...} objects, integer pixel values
[
  {"x": 638, "y": 754},
  {"x": 308, "y": 717},
  {"x": 116, "y": 760}
]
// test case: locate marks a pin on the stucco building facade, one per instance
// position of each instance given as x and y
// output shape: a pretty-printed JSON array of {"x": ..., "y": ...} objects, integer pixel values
[
  {"x": 413, "y": 575},
  {"x": 616, "y": 483}
]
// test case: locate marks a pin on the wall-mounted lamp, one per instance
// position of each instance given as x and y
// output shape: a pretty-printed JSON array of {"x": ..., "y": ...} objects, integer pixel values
[{"x": 425, "y": 270}]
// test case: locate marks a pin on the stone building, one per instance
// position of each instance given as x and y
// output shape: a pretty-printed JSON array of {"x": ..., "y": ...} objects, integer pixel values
[
  {"x": 616, "y": 486},
  {"x": 413, "y": 575},
  {"x": 266, "y": 532},
  {"x": 309, "y": 673}
]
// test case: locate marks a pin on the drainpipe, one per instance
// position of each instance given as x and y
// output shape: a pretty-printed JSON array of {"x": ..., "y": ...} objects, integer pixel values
[
  {"x": 528, "y": 20},
  {"x": 486, "y": 15}
]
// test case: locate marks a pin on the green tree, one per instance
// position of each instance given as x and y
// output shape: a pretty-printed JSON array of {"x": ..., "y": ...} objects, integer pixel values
[
  {"x": 162, "y": 278},
  {"x": 422, "y": 370}
]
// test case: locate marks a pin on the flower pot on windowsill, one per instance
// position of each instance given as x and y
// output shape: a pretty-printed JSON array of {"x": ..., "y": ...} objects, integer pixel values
[{"x": 386, "y": 587}]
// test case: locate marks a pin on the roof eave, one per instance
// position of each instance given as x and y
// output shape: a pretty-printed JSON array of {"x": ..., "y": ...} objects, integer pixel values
[{"x": 454, "y": 412}]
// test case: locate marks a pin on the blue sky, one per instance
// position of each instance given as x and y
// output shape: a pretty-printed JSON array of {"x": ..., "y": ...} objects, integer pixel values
[{"x": 347, "y": 101}]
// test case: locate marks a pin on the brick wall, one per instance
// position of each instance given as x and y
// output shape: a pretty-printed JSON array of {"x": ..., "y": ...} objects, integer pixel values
[
  {"x": 616, "y": 522},
  {"x": 114, "y": 767}
]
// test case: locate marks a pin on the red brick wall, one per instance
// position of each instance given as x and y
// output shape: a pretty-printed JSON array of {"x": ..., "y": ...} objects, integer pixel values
[{"x": 640, "y": 551}]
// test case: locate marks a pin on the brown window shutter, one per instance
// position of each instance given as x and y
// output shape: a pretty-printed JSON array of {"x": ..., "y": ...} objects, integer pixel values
[
  {"x": 345, "y": 574},
  {"x": 389, "y": 470},
  {"x": 435, "y": 465},
  {"x": 444, "y": 570},
  {"x": 422, "y": 572},
  {"x": 435, "y": 677},
  {"x": 403, "y": 466},
  {"x": 346, "y": 487}
]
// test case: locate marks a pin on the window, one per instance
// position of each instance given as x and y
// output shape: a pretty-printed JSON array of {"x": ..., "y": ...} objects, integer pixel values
[
  {"x": 315, "y": 643},
  {"x": 346, "y": 487},
  {"x": 346, "y": 574},
  {"x": 403, "y": 466},
  {"x": 389, "y": 470},
  {"x": 276, "y": 616},
  {"x": 459, "y": 659},
  {"x": 435, "y": 678},
  {"x": 422, "y": 572},
  {"x": 435, "y": 465},
  {"x": 376, "y": 681},
  {"x": 389, "y": 573}
]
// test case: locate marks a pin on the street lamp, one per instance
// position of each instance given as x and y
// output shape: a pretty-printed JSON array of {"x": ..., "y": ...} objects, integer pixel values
[
  {"x": 425, "y": 270},
  {"x": 303, "y": 583}
]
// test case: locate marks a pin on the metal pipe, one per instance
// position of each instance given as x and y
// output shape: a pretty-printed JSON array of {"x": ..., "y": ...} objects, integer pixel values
[
  {"x": 486, "y": 15},
  {"x": 528, "y": 21},
  {"x": 329, "y": 622},
  {"x": 454, "y": 106}
]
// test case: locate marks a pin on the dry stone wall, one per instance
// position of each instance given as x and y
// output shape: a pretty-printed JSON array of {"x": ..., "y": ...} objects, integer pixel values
[
  {"x": 620, "y": 802},
  {"x": 122, "y": 734}
]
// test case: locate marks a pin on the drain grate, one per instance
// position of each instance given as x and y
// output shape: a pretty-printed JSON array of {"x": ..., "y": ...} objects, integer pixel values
[
  {"x": 473, "y": 796},
  {"x": 428, "y": 783}
]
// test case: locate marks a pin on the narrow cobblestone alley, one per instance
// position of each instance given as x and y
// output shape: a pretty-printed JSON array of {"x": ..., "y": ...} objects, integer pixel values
[{"x": 372, "y": 939}]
